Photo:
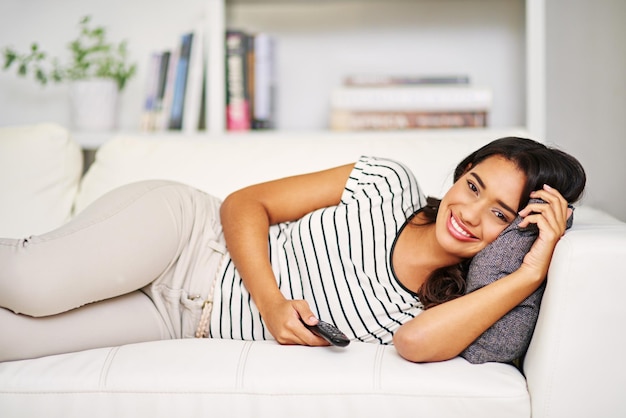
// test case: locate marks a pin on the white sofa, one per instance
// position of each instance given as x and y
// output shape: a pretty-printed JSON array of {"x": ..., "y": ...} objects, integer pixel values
[{"x": 572, "y": 369}]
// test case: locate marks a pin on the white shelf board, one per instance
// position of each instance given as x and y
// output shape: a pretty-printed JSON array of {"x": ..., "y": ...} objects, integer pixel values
[{"x": 93, "y": 140}]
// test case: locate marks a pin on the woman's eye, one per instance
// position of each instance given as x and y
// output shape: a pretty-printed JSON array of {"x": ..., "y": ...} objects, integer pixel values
[
  {"x": 501, "y": 216},
  {"x": 472, "y": 187}
]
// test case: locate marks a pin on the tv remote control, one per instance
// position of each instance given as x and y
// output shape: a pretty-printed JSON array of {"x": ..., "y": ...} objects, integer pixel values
[{"x": 330, "y": 333}]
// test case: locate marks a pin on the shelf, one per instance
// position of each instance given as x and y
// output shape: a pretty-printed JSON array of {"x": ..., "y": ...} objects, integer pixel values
[
  {"x": 497, "y": 43},
  {"x": 93, "y": 140},
  {"x": 230, "y": 2}
]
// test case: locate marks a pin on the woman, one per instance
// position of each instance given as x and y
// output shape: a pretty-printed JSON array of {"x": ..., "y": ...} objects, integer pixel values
[{"x": 354, "y": 245}]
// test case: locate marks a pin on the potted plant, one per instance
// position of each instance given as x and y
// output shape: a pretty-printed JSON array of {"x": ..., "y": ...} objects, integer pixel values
[{"x": 97, "y": 71}]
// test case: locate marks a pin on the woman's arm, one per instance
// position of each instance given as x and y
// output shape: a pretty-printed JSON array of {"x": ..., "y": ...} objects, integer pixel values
[
  {"x": 444, "y": 331},
  {"x": 246, "y": 216}
]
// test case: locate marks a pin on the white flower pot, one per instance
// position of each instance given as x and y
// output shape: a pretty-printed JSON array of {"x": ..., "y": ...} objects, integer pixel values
[{"x": 94, "y": 104}]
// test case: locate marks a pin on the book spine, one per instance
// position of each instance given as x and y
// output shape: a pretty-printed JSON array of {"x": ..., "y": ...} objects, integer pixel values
[
  {"x": 264, "y": 84},
  {"x": 237, "y": 101},
  {"x": 342, "y": 120},
  {"x": 163, "y": 118},
  {"x": 422, "y": 98},
  {"x": 161, "y": 87},
  {"x": 251, "y": 75},
  {"x": 180, "y": 83},
  {"x": 150, "y": 106},
  {"x": 194, "y": 85}
]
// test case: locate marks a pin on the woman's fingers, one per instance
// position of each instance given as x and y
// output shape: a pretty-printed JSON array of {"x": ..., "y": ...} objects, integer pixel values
[
  {"x": 551, "y": 219},
  {"x": 285, "y": 323},
  {"x": 552, "y": 214}
]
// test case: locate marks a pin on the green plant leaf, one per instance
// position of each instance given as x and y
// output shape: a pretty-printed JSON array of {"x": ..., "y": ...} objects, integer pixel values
[
  {"x": 40, "y": 75},
  {"x": 92, "y": 55},
  {"x": 9, "y": 58}
]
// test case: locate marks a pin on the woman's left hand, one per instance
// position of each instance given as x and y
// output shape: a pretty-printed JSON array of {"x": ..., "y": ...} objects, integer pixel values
[{"x": 551, "y": 219}]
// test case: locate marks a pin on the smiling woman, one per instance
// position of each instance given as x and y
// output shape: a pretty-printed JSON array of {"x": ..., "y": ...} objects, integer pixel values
[
  {"x": 501, "y": 176},
  {"x": 358, "y": 246},
  {"x": 520, "y": 167}
]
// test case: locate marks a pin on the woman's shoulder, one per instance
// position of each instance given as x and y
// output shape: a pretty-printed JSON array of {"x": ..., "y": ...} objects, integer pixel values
[
  {"x": 375, "y": 166},
  {"x": 385, "y": 177},
  {"x": 372, "y": 169}
]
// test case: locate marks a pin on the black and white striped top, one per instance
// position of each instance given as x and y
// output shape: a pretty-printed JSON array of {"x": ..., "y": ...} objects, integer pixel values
[{"x": 338, "y": 259}]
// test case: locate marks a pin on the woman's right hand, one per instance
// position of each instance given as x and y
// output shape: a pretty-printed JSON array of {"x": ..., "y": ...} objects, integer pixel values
[{"x": 284, "y": 319}]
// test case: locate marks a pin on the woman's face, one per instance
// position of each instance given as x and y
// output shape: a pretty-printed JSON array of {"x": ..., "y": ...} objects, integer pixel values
[{"x": 479, "y": 205}]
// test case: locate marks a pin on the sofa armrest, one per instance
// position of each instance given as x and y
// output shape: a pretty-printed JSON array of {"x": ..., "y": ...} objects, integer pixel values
[{"x": 573, "y": 365}]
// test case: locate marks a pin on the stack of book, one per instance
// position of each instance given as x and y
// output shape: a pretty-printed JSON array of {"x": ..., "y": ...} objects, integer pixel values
[
  {"x": 175, "y": 86},
  {"x": 366, "y": 102},
  {"x": 250, "y": 81}
]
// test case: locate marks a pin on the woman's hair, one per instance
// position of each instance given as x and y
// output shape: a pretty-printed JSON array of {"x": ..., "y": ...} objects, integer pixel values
[{"x": 540, "y": 164}]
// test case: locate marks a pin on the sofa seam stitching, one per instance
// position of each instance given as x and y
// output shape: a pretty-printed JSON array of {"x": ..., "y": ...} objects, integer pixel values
[{"x": 106, "y": 368}]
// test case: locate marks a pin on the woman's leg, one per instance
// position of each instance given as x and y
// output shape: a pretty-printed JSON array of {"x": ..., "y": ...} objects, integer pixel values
[
  {"x": 126, "y": 319},
  {"x": 162, "y": 237},
  {"x": 119, "y": 244}
]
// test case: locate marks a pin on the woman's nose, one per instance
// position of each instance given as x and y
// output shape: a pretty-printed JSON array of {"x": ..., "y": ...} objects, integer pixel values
[{"x": 470, "y": 215}]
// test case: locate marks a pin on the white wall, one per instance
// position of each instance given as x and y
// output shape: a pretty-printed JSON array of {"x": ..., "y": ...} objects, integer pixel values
[
  {"x": 586, "y": 67},
  {"x": 586, "y": 93}
]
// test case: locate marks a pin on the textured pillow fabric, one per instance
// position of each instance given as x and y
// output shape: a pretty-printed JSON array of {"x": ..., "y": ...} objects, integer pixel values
[{"x": 509, "y": 337}]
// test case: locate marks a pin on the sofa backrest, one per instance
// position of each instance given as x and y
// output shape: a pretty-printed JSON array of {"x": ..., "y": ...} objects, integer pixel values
[
  {"x": 40, "y": 169},
  {"x": 220, "y": 165}
]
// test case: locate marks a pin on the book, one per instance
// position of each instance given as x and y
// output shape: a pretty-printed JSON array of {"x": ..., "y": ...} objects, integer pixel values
[
  {"x": 264, "y": 83},
  {"x": 345, "y": 120},
  {"x": 404, "y": 98},
  {"x": 160, "y": 89},
  {"x": 151, "y": 92},
  {"x": 163, "y": 115},
  {"x": 180, "y": 82},
  {"x": 195, "y": 80},
  {"x": 237, "y": 95},
  {"x": 251, "y": 75},
  {"x": 381, "y": 80}
]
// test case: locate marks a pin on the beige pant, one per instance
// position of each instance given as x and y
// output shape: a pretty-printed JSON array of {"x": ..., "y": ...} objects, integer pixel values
[{"x": 162, "y": 237}]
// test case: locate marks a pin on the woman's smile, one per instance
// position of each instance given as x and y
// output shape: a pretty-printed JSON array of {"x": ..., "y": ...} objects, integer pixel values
[{"x": 458, "y": 230}]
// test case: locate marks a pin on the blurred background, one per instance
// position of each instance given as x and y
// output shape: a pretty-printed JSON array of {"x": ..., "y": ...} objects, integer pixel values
[{"x": 319, "y": 43}]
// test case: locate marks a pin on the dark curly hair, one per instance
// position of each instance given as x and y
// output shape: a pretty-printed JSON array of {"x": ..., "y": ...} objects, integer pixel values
[{"x": 541, "y": 165}]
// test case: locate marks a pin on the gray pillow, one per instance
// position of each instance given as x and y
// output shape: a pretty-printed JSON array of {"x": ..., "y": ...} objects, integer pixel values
[{"x": 507, "y": 339}]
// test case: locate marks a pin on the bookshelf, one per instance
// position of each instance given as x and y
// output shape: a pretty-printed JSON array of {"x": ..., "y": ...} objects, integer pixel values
[{"x": 498, "y": 43}]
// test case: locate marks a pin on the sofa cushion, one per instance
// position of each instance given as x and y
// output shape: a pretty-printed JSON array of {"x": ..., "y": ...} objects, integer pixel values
[
  {"x": 220, "y": 165},
  {"x": 40, "y": 169},
  {"x": 209, "y": 377}
]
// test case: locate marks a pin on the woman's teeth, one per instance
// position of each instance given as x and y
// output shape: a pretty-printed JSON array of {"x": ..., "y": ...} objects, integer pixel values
[{"x": 458, "y": 228}]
